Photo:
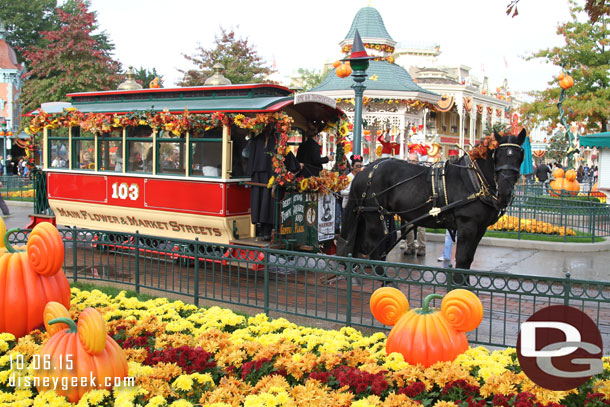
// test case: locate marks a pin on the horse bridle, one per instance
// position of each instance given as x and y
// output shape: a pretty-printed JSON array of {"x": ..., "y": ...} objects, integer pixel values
[{"x": 508, "y": 167}]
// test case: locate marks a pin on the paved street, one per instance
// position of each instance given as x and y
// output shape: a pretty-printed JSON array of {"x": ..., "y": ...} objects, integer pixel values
[{"x": 581, "y": 260}]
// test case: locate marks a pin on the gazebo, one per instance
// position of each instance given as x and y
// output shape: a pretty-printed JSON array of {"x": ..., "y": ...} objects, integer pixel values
[{"x": 392, "y": 100}]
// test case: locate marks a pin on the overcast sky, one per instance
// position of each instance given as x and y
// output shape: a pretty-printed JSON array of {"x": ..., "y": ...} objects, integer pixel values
[{"x": 305, "y": 34}]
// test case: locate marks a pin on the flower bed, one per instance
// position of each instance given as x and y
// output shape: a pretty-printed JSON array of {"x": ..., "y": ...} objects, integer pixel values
[
  {"x": 180, "y": 356},
  {"x": 512, "y": 223}
]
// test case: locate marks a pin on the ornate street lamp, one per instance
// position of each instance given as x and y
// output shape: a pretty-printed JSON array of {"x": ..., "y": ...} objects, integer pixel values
[
  {"x": 3, "y": 133},
  {"x": 562, "y": 119},
  {"x": 359, "y": 62}
]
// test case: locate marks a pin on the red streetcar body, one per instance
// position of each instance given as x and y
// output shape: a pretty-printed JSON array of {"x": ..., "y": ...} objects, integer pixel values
[{"x": 118, "y": 174}]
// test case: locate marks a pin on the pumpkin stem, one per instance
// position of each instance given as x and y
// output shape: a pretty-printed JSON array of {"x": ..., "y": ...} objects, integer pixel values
[
  {"x": 8, "y": 246},
  {"x": 68, "y": 321},
  {"x": 425, "y": 308}
]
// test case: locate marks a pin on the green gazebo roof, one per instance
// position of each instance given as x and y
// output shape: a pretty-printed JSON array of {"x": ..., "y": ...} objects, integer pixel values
[
  {"x": 382, "y": 75},
  {"x": 599, "y": 140},
  {"x": 369, "y": 23}
]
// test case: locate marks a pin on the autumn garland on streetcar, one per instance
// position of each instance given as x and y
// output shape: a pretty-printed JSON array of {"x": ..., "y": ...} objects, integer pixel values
[{"x": 178, "y": 124}]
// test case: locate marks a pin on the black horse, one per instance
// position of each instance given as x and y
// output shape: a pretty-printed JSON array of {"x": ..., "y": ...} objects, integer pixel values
[{"x": 466, "y": 195}]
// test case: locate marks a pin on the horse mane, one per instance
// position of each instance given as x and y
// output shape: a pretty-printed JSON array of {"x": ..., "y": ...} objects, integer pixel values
[{"x": 481, "y": 148}]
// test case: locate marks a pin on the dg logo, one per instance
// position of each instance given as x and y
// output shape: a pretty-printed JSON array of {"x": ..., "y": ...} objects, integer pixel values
[{"x": 560, "y": 348}]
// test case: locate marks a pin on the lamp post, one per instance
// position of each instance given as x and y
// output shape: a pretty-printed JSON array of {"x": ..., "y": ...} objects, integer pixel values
[
  {"x": 3, "y": 133},
  {"x": 569, "y": 136},
  {"x": 359, "y": 62}
]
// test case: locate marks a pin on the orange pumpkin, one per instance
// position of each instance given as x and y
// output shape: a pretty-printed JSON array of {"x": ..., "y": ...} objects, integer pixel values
[
  {"x": 555, "y": 186},
  {"x": 567, "y": 82},
  {"x": 558, "y": 173},
  {"x": 564, "y": 183},
  {"x": 343, "y": 71},
  {"x": 425, "y": 335},
  {"x": 83, "y": 352},
  {"x": 51, "y": 311},
  {"x": 30, "y": 278},
  {"x": 336, "y": 64},
  {"x": 570, "y": 175}
]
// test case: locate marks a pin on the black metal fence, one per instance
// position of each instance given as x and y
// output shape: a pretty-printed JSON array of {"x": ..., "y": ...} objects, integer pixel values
[
  {"x": 17, "y": 188},
  {"x": 332, "y": 289},
  {"x": 573, "y": 218}
]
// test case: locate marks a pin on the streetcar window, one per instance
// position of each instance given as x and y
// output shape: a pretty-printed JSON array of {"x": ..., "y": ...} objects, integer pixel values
[
  {"x": 139, "y": 149},
  {"x": 206, "y": 147},
  {"x": 58, "y": 147},
  {"x": 110, "y": 150},
  {"x": 83, "y": 149},
  {"x": 171, "y": 157}
]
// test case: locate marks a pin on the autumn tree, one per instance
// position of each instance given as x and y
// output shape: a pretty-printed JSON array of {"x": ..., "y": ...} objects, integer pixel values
[
  {"x": 309, "y": 79},
  {"x": 242, "y": 62},
  {"x": 72, "y": 61},
  {"x": 25, "y": 20},
  {"x": 558, "y": 147},
  {"x": 586, "y": 56},
  {"x": 594, "y": 8}
]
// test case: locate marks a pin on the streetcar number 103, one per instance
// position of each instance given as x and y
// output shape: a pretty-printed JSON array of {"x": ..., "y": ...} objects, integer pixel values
[{"x": 123, "y": 191}]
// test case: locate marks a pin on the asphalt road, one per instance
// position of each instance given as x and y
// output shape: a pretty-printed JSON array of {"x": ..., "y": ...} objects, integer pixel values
[{"x": 582, "y": 260}]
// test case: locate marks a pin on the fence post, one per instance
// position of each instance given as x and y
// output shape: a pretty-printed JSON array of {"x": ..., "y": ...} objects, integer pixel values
[
  {"x": 348, "y": 308},
  {"x": 266, "y": 278},
  {"x": 520, "y": 213},
  {"x": 567, "y": 288},
  {"x": 196, "y": 290},
  {"x": 74, "y": 257},
  {"x": 137, "y": 250},
  {"x": 592, "y": 220}
]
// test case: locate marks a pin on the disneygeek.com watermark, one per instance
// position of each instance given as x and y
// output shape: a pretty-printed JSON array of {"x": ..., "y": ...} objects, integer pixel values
[
  {"x": 560, "y": 348},
  {"x": 56, "y": 373}
]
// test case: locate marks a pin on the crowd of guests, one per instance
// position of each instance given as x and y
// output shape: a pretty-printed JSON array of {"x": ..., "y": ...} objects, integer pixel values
[
  {"x": 12, "y": 167},
  {"x": 584, "y": 173}
]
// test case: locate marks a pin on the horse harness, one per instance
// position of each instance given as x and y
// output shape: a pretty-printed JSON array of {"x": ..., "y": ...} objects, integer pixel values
[{"x": 439, "y": 198}]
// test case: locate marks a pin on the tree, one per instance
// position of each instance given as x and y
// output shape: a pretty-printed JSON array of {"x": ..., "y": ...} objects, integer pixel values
[
  {"x": 586, "y": 56},
  {"x": 144, "y": 77},
  {"x": 73, "y": 61},
  {"x": 311, "y": 79},
  {"x": 241, "y": 61},
  {"x": 558, "y": 147},
  {"x": 594, "y": 8},
  {"x": 25, "y": 20},
  {"x": 496, "y": 127}
]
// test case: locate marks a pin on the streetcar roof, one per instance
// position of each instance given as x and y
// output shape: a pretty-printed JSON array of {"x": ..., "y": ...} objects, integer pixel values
[
  {"x": 243, "y": 98},
  {"x": 197, "y": 99}
]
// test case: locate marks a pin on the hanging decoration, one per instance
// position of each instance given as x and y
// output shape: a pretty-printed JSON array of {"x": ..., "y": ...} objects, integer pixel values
[{"x": 180, "y": 123}]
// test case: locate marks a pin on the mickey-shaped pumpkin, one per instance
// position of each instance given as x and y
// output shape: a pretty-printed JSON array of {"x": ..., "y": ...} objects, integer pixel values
[
  {"x": 29, "y": 278},
  {"x": 79, "y": 353},
  {"x": 426, "y": 335}
]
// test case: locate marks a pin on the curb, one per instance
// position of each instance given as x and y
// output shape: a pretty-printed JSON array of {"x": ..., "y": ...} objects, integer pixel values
[{"x": 534, "y": 244}]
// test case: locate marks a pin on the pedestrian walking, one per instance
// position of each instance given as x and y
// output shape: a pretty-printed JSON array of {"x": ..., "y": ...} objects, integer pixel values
[
  {"x": 448, "y": 248},
  {"x": 5, "y": 211}
]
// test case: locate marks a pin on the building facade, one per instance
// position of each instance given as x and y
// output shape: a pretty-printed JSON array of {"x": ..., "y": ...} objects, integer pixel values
[
  {"x": 407, "y": 93},
  {"x": 10, "y": 87}
]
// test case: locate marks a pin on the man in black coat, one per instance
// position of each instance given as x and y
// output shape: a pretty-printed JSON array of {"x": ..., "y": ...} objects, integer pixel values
[
  {"x": 542, "y": 172},
  {"x": 310, "y": 155},
  {"x": 260, "y": 168}
]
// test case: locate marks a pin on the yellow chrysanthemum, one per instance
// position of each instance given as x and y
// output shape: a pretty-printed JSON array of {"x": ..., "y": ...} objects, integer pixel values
[{"x": 271, "y": 182}]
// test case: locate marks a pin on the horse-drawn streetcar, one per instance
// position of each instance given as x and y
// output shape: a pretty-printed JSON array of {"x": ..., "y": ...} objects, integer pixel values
[{"x": 172, "y": 162}]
